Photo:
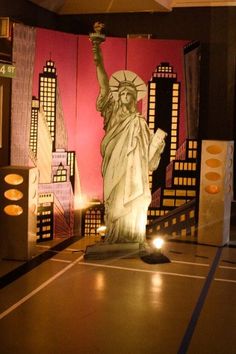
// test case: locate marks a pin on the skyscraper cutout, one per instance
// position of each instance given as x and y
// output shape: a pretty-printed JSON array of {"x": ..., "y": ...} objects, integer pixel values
[
  {"x": 58, "y": 182},
  {"x": 174, "y": 184},
  {"x": 163, "y": 112},
  {"x": 47, "y": 96}
]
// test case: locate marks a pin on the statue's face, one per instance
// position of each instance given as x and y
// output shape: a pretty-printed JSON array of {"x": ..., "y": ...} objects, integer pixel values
[{"x": 126, "y": 97}]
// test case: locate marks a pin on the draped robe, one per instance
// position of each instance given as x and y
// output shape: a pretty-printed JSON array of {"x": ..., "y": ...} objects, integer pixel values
[{"x": 129, "y": 152}]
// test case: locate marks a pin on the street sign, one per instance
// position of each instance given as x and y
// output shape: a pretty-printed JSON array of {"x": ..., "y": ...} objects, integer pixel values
[{"x": 7, "y": 70}]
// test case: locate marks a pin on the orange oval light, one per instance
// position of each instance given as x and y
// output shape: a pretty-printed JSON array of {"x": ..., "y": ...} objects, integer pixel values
[
  {"x": 13, "y": 194},
  {"x": 212, "y": 189},
  {"x": 13, "y": 210},
  {"x": 14, "y": 179},
  {"x": 212, "y": 176},
  {"x": 214, "y": 149},
  {"x": 213, "y": 163}
]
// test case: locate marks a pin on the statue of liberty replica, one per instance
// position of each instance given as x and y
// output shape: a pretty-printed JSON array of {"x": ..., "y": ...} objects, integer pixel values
[{"x": 129, "y": 150}]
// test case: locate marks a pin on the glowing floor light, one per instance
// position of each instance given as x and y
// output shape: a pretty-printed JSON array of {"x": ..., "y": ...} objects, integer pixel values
[
  {"x": 152, "y": 253},
  {"x": 102, "y": 231},
  {"x": 157, "y": 243}
]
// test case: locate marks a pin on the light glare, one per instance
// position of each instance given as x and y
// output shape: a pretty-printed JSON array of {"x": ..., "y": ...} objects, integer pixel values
[
  {"x": 102, "y": 230},
  {"x": 158, "y": 243},
  {"x": 81, "y": 202}
]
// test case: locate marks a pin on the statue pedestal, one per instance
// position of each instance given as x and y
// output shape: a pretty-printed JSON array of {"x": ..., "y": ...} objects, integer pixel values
[{"x": 112, "y": 250}]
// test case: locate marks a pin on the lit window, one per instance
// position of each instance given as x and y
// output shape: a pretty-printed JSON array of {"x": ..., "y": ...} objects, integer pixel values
[
  {"x": 176, "y": 165},
  {"x": 152, "y": 99},
  {"x": 174, "y": 113},
  {"x": 169, "y": 192},
  {"x": 175, "y": 99},
  {"x": 181, "y": 193},
  {"x": 175, "y": 93},
  {"x": 169, "y": 202},
  {"x": 179, "y": 202},
  {"x": 191, "y": 214},
  {"x": 151, "y": 112},
  {"x": 151, "y": 119}
]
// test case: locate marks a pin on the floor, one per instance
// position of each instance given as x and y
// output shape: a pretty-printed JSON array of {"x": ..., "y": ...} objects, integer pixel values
[{"x": 66, "y": 305}]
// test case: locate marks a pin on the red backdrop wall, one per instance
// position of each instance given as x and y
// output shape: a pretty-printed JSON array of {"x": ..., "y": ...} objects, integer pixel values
[{"x": 79, "y": 89}]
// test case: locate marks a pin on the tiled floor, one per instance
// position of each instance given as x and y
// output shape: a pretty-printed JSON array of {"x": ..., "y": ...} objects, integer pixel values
[{"x": 67, "y": 305}]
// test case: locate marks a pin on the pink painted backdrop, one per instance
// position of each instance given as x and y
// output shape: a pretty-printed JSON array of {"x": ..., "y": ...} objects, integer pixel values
[
  {"x": 62, "y": 49},
  {"x": 79, "y": 88}
]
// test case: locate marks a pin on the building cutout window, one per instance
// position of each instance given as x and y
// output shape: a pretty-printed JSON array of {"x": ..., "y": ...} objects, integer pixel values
[{"x": 61, "y": 175}]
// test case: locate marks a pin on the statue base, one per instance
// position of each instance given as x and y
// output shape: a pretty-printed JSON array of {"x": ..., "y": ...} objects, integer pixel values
[{"x": 112, "y": 250}]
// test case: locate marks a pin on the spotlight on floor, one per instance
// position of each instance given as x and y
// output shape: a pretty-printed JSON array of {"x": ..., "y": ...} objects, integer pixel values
[
  {"x": 157, "y": 243},
  {"x": 152, "y": 253},
  {"x": 102, "y": 231}
]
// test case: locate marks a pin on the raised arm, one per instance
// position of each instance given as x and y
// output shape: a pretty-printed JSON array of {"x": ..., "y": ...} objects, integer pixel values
[{"x": 101, "y": 73}]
